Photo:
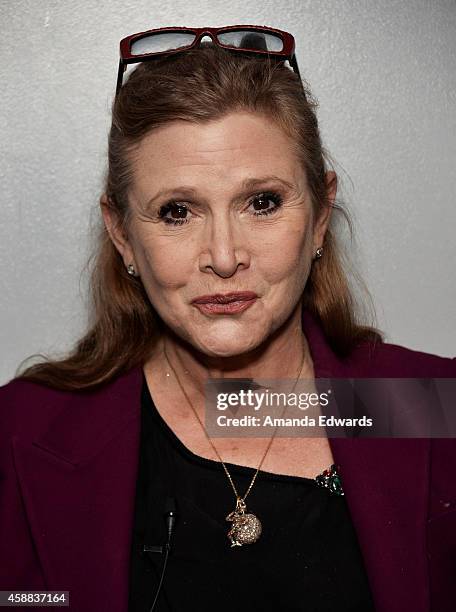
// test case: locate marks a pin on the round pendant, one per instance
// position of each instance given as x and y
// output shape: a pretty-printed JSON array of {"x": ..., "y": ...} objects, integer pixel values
[{"x": 246, "y": 528}]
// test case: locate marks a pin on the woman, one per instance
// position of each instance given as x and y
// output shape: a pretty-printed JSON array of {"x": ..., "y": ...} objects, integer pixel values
[{"x": 218, "y": 259}]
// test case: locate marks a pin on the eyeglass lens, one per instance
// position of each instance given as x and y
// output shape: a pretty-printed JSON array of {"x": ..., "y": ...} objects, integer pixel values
[
  {"x": 251, "y": 40},
  {"x": 168, "y": 41}
]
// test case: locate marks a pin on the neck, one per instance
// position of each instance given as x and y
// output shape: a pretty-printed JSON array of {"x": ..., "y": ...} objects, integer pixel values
[{"x": 283, "y": 355}]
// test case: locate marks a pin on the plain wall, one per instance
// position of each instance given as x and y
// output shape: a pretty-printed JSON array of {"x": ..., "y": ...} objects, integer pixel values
[{"x": 384, "y": 73}]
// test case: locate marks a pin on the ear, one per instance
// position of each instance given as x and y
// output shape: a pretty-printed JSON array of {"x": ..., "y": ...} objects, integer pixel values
[
  {"x": 321, "y": 224},
  {"x": 116, "y": 232}
]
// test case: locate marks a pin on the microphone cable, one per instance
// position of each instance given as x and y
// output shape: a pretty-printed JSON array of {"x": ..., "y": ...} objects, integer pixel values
[{"x": 170, "y": 516}]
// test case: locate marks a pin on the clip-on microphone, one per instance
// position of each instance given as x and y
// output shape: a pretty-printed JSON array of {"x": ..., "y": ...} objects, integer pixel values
[{"x": 170, "y": 516}]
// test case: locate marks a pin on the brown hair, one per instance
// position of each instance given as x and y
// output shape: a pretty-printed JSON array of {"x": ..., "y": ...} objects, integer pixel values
[{"x": 197, "y": 86}]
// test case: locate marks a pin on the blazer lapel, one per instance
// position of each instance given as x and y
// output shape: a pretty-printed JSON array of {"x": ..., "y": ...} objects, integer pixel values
[
  {"x": 386, "y": 487},
  {"x": 78, "y": 484}
]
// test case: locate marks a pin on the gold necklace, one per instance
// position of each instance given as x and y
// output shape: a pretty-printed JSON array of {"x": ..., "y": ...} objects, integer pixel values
[{"x": 246, "y": 528}]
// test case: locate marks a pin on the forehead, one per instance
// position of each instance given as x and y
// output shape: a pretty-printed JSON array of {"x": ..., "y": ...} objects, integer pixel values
[{"x": 238, "y": 146}]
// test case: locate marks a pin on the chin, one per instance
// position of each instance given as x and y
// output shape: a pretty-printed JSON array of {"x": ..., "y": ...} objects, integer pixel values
[{"x": 229, "y": 345}]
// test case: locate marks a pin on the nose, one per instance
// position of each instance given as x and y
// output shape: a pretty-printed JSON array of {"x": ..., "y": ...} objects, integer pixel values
[{"x": 224, "y": 249}]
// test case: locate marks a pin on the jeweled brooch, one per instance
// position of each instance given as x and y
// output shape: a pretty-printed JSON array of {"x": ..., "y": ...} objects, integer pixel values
[{"x": 330, "y": 479}]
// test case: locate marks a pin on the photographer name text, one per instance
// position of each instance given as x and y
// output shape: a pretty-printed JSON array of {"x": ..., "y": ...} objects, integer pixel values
[{"x": 305, "y": 421}]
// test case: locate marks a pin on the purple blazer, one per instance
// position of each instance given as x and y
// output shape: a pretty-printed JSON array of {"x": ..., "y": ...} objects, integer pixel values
[{"x": 68, "y": 468}]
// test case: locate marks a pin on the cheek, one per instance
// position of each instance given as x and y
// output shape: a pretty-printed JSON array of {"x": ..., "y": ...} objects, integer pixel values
[
  {"x": 163, "y": 264},
  {"x": 287, "y": 258}
]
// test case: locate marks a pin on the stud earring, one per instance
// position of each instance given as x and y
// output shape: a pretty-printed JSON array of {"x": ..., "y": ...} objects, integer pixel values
[
  {"x": 318, "y": 253},
  {"x": 131, "y": 270}
]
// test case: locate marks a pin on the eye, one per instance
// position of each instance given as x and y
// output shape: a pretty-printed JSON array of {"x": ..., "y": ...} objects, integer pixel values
[
  {"x": 266, "y": 203},
  {"x": 178, "y": 213}
]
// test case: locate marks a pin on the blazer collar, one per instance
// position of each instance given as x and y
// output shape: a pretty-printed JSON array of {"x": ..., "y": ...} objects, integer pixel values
[
  {"x": 78, "y": 482},
  {"x": 386, "y": 487}
]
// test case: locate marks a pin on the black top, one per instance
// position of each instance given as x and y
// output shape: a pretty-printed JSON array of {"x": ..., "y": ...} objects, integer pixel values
[{"x": 307, "y": 557}]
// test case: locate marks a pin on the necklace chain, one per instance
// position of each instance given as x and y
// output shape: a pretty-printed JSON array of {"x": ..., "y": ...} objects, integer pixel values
[{"x": 240, "y": 500}]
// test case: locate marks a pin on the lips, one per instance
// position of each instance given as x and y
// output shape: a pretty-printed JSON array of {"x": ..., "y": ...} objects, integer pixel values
[
  {"x": 226, "y": 298},
  {"x": 226, "y": 304}
]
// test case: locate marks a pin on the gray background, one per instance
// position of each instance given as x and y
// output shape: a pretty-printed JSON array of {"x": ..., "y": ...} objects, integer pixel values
[{"x": 385, "y": 76}]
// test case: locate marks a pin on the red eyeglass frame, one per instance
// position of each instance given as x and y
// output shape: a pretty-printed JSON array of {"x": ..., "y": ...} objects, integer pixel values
[{"x": 126, "y": 57}]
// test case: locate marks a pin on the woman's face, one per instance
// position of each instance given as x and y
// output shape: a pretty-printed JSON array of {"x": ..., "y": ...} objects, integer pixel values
[{"x": 218, "y": 208}]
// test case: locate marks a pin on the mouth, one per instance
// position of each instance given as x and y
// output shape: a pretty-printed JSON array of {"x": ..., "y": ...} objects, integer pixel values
[
  {"x": 225, "y": 303},
  {"x": 225, "y": 298}
]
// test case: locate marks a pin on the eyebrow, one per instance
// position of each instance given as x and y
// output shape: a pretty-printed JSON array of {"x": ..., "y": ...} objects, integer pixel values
[{"x": 246, "y": 185}]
